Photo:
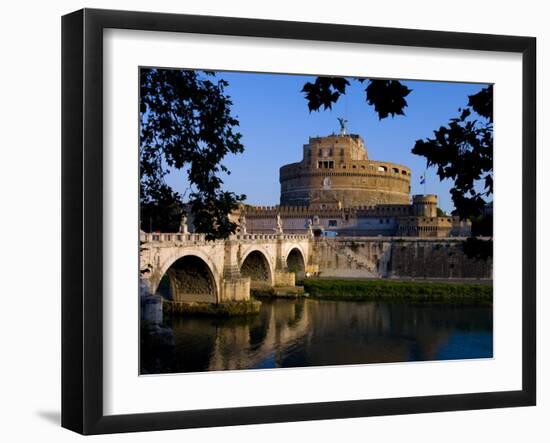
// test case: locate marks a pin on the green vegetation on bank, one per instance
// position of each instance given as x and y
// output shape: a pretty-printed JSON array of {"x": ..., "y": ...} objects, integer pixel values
[{"x": 403, "y": 291}]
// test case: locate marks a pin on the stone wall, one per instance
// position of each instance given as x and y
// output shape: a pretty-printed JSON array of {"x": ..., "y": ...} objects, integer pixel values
[
  {"x": 364, "y": 257},
  {"x": 399, "y": 220},
  {"x": 436, "y": 259},
  {"x": 349, "y": 188}
]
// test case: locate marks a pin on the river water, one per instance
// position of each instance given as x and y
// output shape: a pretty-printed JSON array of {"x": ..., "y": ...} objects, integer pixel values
[{"x": 308, "y": 332}]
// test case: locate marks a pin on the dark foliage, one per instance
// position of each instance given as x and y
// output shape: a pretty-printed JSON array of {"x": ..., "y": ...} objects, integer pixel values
[
  {"x": 324, "y": 92},
  {"x": 186, "y": 123},
  {"x": 387, "y": 96},
  {"x": 482, "y": 102},
  {"x": 478, "y": 248},
  {"x": 161, "y": 209},
  {"x": 463, "y": 152},
  {"x": 482, "y": 226}
]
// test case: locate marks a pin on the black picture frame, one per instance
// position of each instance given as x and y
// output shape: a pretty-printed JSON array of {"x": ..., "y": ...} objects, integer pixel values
[{"x": 82, "y": 215}]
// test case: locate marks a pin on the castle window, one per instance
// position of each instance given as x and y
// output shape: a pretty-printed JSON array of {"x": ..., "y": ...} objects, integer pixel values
[
  {"x": 320, "y": 152},
  {"x": 354, "y": 166},
  {"x": 362, "y": 166},
  {"x": 342, "y": 152},
  {"x": 332, "y": 223},
  {"x": 330, "y": 152},
  {"x": 331, "y": 165},
  {"x": 319, "y": 164},
  {"x": 395, "y": 170},
  {"x": 382, "y": 169},
  {"x": 404, "y": 172},
  {"x": 381, "y": 221}
]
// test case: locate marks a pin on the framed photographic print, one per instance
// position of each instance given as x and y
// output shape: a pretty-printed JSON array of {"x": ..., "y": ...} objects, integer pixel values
[{"x": 269, "y": 221}]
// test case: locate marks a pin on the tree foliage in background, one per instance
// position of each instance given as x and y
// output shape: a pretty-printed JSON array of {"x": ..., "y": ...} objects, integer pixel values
[
  {"x": 463, "y": 152},
  {"x": 186, "y": 124},
  {"x": 387, "y": 96}
]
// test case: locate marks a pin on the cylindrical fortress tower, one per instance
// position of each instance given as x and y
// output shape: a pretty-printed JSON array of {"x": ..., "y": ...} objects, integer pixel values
[
  {"x": 336, "y": 169},
  {"x": 425, "y": 205}
]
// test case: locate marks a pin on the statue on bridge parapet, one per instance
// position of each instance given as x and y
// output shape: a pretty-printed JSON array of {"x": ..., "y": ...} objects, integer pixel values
[
  {"x": 184, "y": 229},
  {"x": 242, "y": 224},
  {"x": 279, "y": 228},
  {"x": 309, "y": 227}
]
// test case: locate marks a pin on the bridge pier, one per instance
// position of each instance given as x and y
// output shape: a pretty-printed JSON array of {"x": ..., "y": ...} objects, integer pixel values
[
  {"x": 235, "y": 290},
  {"x": 284, "y": 279},
  {"x": 234, "y": 286}
]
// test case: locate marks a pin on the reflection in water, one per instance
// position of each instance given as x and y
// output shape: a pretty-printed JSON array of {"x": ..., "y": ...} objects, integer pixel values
[{"x": 305, "y": 332}]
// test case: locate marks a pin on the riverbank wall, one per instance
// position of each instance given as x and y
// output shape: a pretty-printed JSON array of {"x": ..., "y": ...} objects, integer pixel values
[{"x": 398, "y": 257}]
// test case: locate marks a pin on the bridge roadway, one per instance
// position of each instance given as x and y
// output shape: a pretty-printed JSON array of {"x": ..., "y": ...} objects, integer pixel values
[{"x": 194, "y": 269}]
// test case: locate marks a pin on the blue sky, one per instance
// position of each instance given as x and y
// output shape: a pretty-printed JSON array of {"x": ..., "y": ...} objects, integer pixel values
[{"x": 275, "y": 122}]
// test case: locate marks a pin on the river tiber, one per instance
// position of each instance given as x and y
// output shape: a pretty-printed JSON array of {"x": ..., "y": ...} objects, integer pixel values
[{"x": 348, "y": 268}]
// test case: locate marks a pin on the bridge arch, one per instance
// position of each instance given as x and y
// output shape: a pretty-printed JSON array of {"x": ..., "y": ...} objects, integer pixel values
[
  {"x": 256, "y": 265},
  {"x": 192, "y": 277},
  {"x": 296, "y": 262},
  {"x": 300, "y": 246}
]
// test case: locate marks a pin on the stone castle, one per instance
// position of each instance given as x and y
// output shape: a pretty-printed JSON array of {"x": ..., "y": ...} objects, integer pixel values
[{"x": 337, "y": 190}]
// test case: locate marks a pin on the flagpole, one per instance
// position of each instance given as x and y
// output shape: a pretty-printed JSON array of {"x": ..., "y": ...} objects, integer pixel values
[
  {"x": 425, "y": 178},
  {"x": 423, "y": 181}
]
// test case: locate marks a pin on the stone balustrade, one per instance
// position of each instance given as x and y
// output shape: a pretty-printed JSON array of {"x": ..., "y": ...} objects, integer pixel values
[{"x": 201, "y": 238}]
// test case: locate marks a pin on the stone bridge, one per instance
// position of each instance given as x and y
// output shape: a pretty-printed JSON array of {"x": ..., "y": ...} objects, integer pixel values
[{"x": 193, "y": 269}]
